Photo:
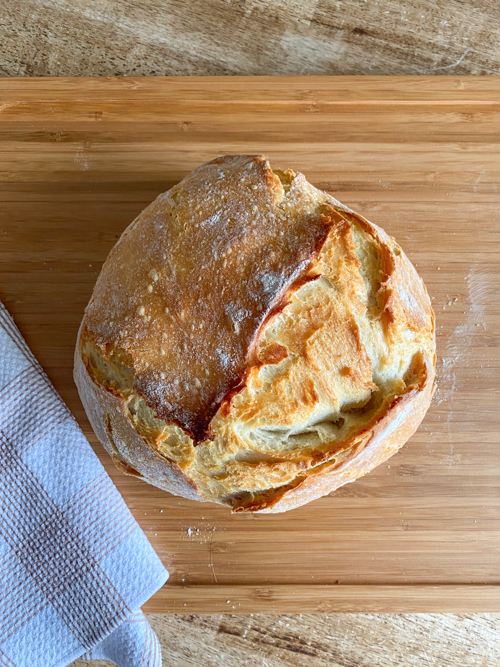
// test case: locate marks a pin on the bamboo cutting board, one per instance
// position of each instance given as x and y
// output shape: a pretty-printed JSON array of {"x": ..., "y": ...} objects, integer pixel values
[{"x": 79, "y": 158}]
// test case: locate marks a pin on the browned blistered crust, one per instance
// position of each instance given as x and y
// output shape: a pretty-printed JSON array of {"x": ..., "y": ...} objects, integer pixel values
[{"x": 327, "y": 373}]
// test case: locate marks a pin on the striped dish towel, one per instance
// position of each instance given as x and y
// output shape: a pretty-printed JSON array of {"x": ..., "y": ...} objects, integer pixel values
[{"x": 75, "y": 567}]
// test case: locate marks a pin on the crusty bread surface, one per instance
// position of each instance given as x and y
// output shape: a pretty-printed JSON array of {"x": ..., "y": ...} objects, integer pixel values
[{"x": 253, "y": 342}]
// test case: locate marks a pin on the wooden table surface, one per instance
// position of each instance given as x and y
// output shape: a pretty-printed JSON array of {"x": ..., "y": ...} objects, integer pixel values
[
  {"x": 207, "y": 37},
  {"x": 59, "y": 38}
]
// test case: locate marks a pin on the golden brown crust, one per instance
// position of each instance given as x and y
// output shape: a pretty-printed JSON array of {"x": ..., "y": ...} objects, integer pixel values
[
  {"x": 382, "y": 441},
  {"x": 106, "y": 413},
  {"x": 334, "y": 374},
  {"x": 221, "y": 252}
]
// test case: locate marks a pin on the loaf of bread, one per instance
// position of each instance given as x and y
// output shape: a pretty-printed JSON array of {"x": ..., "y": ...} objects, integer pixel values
[{"x": 252, "y": 342}]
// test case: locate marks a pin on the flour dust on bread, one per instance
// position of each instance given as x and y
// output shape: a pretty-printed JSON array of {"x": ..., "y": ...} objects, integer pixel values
[{"x": 252, "y": 342}]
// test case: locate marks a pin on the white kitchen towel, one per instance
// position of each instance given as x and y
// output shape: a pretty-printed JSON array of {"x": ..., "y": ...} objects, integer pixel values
[{"x": 75, "y": 567}]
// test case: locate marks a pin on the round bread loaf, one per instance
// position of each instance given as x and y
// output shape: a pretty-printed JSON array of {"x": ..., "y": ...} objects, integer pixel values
[{"x": 252, "y": 342}]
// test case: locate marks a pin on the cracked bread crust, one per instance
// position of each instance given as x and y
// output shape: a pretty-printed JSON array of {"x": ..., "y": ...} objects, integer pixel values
[{"x": 329, "y": 370}]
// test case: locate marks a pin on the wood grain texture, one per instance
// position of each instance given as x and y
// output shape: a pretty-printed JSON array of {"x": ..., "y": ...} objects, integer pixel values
[
  {"x": 340, "y": 640},
  {"x": 80, "y": 158},
  {"x": 207, "y": 37}
]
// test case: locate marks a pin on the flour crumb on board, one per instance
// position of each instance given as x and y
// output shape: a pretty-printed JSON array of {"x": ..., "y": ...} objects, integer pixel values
[
  {"x": 82, "y": 159},
  {"x": 203, "y": 534},
  {"x": 458, "y": 348},
  {"x": 461, "y": 339}
]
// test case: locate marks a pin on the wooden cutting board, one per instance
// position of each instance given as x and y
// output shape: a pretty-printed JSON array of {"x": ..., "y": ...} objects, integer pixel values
[{"x": 79, "y": 158}]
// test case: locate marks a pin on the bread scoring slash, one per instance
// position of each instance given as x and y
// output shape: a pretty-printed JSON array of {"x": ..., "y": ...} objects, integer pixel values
[{"x": 252, "y": 342}]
